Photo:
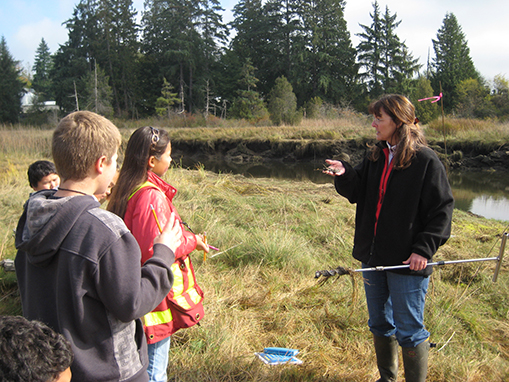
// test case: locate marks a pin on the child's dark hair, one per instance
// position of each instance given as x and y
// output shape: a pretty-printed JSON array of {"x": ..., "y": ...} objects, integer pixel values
[
  {"x": 145, "y": 142},
  {"x": 31, "y": 351},
  {"x": 38, "y": 170}
]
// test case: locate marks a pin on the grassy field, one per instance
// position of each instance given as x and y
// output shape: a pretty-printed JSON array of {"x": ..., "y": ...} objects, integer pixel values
[{"x": 263, "y": 293}]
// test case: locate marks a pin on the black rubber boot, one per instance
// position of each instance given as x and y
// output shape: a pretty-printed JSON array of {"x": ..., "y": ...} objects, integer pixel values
[
  {"x": 386, "y": 349},
  {"x": 415, "y": 361}
]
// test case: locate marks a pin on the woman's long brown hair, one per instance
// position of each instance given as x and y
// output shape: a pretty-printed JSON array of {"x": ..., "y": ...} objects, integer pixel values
[
  {"x": 408, "y": 134},
  {"x": 143, "y": 143}
]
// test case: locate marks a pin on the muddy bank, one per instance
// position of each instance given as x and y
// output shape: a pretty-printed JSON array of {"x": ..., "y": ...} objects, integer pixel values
[{"x": 475, "y": 156}]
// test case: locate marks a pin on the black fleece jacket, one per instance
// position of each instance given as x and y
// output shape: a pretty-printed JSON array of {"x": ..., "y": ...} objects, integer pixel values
[
  {"x": 79, "y": 271},
  {"x": 415, "y": 216}
]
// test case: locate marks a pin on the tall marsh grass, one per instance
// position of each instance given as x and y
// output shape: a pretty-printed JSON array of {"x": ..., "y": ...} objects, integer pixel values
[
  {"x": 465, "y": 129},
  {"x": 345, "y": 126},
  {"x": 261, "y": 292},
  {"x": 336, "y": 123}
]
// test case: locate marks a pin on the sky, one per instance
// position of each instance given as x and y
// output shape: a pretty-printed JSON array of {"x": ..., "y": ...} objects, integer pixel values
[{"x": 485, "y": 24}]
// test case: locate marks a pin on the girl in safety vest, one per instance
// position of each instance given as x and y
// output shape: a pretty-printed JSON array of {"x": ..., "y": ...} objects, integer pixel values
[{"x": 144, "y": 200}]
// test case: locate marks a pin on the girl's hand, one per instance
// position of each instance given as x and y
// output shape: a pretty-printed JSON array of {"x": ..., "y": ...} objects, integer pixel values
[
  {"x": 201, "y": 245},
  {"x": 335, "y": 168},
  {"x": 171, "y": 236},
  {"x": 417, "y": 262}
]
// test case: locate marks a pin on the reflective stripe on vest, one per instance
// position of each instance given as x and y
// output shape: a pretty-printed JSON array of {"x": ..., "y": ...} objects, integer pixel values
[
  {"x": 163, "y": 317},
  {"x": 178, "y": 286},
  {"x": 146, "y": 184},
  {"x": 157, "y": 318}
]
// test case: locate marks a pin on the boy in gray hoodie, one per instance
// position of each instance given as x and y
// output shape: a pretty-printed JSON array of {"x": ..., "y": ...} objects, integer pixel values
[{"x": 78, "y": 266}]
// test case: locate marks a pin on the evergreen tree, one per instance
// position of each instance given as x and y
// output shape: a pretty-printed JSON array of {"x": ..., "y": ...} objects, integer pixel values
[
  {"x": 171, "y": 39},
  {"x": 452, "y": 63},
  {"x": 389, "y": 66},
  {"x": 292, "y": 35},
  {"x": 313, "y": 107},
  {"x": 42, "y": 66},
  {"x": 228, "y": 74},
  {"x": 282, "y": 104},
  {"x": 213, "y": 37},
  {"x": 425, "y": 110},
  {"x": 119, "y": 39},
  {"x": 252, "y": 39},
  {"x": 97, "y": 94},
  {"x": 167, "y": 100},
  {"x": 284, "y": 41},
  {"x": 75, "y": 57},
  {"x": 248, "y": 105},
  {"x": 155, "y": 65},
  {"x": 212, "y": 30},
  {"x": 397, "y": 61},
  {"x": 11, "y": 87},
  {"x": 329, "y": 58},
  {"x": 105, "y": 32},
  {"x": 370, "y": 51}
]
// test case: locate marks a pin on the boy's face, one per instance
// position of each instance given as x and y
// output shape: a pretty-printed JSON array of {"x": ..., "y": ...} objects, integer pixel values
[
  {"x": 48, "y": 182},
  {"x": 106, "y": 195},
  {"x": 64, "y": 376}
]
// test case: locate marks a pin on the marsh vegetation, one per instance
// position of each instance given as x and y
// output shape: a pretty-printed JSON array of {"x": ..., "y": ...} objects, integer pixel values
[{"x": 262, "y": 292}]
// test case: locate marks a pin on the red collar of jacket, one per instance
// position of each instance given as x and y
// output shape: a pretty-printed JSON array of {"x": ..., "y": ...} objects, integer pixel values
[{"x": 166, "y": 188}]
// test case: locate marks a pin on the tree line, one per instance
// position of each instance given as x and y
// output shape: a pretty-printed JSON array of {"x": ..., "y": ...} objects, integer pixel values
[{"x": 278, "y": 58}]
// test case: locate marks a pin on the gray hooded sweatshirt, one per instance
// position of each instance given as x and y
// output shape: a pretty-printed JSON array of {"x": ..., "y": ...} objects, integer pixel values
[{"x": 79, "y": 271}]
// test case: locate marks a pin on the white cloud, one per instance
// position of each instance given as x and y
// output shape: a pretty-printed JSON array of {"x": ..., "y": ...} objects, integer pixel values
[{"x": 28, "y": 37}]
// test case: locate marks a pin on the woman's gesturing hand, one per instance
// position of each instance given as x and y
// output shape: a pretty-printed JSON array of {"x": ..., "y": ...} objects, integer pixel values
[{"x": 334, "y": 168}]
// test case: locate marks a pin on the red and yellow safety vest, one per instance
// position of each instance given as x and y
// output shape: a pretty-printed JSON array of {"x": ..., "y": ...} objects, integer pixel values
[{"x": 183, "y": 306}]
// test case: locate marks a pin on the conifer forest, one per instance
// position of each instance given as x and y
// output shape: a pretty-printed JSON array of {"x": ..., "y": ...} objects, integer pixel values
[{"x": 178, "y": 56}]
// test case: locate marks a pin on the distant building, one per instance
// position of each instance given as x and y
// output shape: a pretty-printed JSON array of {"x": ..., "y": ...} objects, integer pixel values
[{"x": 30, "y": 97}]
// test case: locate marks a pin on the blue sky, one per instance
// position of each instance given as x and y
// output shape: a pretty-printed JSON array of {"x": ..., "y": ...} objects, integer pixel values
[{"x": 485, "y": 23}]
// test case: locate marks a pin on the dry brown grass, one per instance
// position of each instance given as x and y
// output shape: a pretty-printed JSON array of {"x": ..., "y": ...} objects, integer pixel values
[{"x": 262, "y": 292}]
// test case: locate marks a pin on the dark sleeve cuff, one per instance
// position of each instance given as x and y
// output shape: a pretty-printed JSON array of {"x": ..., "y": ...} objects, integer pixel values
[{"x": 164, "y": 252}]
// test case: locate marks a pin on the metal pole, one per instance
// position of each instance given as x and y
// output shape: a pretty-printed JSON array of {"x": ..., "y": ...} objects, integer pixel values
[
  {"x": 500, "y": 255},
  {"x": 342, "y": 271},
  {"x": 386, "y": 268}
]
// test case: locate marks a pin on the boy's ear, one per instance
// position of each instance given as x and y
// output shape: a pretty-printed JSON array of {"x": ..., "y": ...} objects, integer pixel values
[{"x": 101, "y": 163}]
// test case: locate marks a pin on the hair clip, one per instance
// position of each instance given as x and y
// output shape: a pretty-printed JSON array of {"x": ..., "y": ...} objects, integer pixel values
[
  {"x": 155, "y": 135},
  {"x": 416, "y": 121}
]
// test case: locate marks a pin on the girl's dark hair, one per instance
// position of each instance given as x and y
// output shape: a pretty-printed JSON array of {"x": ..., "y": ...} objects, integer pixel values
[
  {"x": 408, "y": 134},
  {"x": 145, "y": 142}
]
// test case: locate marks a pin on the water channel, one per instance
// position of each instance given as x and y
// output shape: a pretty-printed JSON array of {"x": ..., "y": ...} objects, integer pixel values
[{"x": 482, "y": 193}]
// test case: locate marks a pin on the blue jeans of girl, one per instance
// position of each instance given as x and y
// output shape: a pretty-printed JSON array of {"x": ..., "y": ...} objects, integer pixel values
[
  {"x": 158, "y": 360},
  {"x": 396, "y": 306}
]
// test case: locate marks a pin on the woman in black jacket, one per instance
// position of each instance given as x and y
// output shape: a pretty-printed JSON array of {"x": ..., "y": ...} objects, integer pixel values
[{"x": 404, "y": 210}]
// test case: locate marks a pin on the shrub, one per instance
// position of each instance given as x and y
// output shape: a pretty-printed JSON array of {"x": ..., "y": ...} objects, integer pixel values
[
  {"x": 313, "y": 107},
  {"x": 282, "y": 104}
]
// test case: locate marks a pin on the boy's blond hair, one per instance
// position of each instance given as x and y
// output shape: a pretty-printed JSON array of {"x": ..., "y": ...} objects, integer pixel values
[{"x": 79, "y": 140}]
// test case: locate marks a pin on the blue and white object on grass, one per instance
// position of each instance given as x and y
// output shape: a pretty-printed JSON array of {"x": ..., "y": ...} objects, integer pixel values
[{"x": 279, "y": 356}]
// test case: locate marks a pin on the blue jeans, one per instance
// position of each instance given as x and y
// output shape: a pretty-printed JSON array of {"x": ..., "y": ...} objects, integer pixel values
[
  {"x": 158, "y": 360},
  {"x": 396, "y": 306}
]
